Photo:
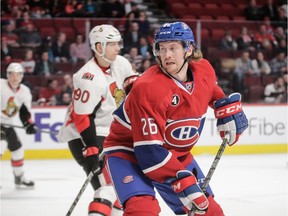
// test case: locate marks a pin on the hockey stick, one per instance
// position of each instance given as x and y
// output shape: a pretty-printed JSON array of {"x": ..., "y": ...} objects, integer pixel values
[
  {"x": 211, "y": 171},
  {"x": 37, "y": 129},
  {"x": 88, "y": 179}
]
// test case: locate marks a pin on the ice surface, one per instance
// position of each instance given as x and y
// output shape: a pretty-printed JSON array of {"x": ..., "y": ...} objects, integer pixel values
[{"x": 247, "y": 185}]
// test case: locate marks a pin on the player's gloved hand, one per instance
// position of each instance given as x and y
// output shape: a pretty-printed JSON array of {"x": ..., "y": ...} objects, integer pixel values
[
  {"x": 189, "y": 191},
  {"x": 91, "y": 155},
  {"x": 231, "y": 120},
  {"x": 30, "y": 127},
  {"x": 128, "y": 83}
]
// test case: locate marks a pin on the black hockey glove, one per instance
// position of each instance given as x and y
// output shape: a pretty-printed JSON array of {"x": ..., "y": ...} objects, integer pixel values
[
  {"x": 30, "y": 127},
  {"x": 91, "y": 155}
]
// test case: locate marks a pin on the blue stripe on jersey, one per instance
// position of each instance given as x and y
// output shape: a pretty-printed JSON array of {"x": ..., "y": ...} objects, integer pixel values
[
  {"x": 121, "y": 116},
  {"x": 150, "y": 155}
]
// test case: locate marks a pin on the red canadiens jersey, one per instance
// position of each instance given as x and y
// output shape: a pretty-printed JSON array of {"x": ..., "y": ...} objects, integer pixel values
[{"x": 167, "y": 117}]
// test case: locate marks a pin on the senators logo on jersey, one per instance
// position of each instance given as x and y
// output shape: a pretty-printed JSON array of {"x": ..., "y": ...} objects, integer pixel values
[
  {"x": 118, "y": 94},
  {"x": 11, "y": 108}
]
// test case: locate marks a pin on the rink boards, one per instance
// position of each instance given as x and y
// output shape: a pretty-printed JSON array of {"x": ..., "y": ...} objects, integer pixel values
[{"x": 267, "y": 133}]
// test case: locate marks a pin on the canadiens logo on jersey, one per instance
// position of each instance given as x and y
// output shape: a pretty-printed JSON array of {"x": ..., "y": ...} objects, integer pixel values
[
  {"x": 88, "y": 76},
  {"x": 183, "y": 133},
  {"x": 11, "y": 108},
  {"x": 118, "y": 94}
]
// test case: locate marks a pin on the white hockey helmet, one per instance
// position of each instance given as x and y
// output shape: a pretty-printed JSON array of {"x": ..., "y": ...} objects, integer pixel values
[
  {"x": 103, "y": 34},
  {"x": 15, "y": 67}
]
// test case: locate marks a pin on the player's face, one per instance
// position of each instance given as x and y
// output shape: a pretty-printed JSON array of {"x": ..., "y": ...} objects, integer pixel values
[
  {"x": 14, "y": 79},
  {"x": 172, "y": 56},
  {"x": 112, "y": 50}
]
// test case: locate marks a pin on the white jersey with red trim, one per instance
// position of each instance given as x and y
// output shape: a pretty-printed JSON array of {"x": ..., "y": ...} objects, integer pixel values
[
  {"x": 11, "y": 101},
  {"x": 93, "y": 88}
]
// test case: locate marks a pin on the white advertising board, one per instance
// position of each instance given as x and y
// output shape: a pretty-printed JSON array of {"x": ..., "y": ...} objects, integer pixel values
[{"x": 268, "y": 125}]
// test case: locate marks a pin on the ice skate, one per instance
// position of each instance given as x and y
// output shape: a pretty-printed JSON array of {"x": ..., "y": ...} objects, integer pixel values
[{"x": 22, "y": 183}]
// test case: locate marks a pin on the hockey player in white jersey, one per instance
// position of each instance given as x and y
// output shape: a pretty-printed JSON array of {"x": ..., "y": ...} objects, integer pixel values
[
  {"x": 15, "y": 98},
  {"x": 98, "y": 91}
]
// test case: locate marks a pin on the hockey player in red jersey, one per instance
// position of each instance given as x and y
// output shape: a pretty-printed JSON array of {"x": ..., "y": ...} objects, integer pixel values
[
  {"x": 15, "y": 98},
  {"x": 150, "y": 140},
  {"x": 98, "y": 91}
]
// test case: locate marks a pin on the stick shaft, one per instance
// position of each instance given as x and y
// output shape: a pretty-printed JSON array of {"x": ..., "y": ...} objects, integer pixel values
[
  {"x": 88, "y": 179},
  {"x": 37, "y": 129},
  {"x": 211, "y": 170}
]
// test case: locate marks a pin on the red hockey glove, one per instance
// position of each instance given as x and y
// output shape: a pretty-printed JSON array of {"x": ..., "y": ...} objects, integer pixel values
[
  {"x": 91, "y": 155},
  {"x": 189, "y": 191},
  {"x": 30, "y": 127},
  {"x": 231, "y": 119},
  {"x": 128, "y": 83}
]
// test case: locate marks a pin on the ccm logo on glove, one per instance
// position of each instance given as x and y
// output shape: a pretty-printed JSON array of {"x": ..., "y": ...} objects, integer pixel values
[{"x": 228, "y": 110}]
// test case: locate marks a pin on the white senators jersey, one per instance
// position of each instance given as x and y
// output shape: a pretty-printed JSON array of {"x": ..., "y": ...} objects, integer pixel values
[
  {"x": 95, "y": 88},
  {"x": 11, "y": 101}
]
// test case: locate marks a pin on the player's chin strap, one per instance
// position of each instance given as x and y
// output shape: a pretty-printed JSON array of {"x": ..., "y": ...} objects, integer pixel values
[{"x": 103, "y": 56}]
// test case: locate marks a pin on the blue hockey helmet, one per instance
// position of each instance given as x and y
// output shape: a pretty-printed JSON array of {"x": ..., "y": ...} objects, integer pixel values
[{"x": 177, "y": 31}]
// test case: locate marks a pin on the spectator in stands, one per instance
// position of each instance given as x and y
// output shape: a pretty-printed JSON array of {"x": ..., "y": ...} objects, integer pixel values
[
  {"x": 64, "y": 100},
  {"x": 129, "y": 19},
  {"x": 40, "y": 9},
  {"x": 282, "y": 20},
  {"x": 50, "y": 92},
  {"x": 275, "y": 92},
  {"x": 14, "y": 12},
  {"x": 146, "y": 63},
  {"x": 145, "y": 49},
  {"x": 6, "y": 55},
  {"x": 260, "y": 65},
  {"x": 269, "y": 27},
  {"x": 128, "y": 6},
  {"x": 73, "y": 8},
  {"x": 24, "y": 20},
  {"x": 143, "y": 23},
  {"x": 134, "y": 58},
  {"x": 132, "y": 37},
  {"x": 9, "y": 31},
  {"x": 243, "y": 67},
  {"x": 270, "y": 9},
  {"x": 68, "y": 84},
  {"x": 253, "y": 12},
  {"x": 264, "y": 40},
  {"x": 282, "y": 47},
  {"x": 44, "y": 67},
  {"x": 79, "y": 50},
  {"x": 47, "y": 46},
  {"x": 90, "y": 8},
  {"x": 112, "y": 9},
  {"x": 279, "y": 64},
  {"x": 60, "y": 48},
  {"x": 279, "y": 34},
  {"x": 30, "y": 37},
  {"x": 29, "y": 62},
  {"x": 227, "y": 42},
  {"x": 245, "y": 41}
]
